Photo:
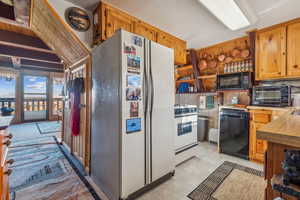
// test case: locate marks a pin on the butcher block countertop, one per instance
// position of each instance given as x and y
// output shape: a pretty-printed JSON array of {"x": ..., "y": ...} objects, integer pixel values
[
  {"x": 5, "y": 121},
  {"x": 270, "y": 108},
  {"x": 283, "y": 130}
]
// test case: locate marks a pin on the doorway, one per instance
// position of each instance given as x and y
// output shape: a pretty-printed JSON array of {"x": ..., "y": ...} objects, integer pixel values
[{"x": 35, "y": 97}]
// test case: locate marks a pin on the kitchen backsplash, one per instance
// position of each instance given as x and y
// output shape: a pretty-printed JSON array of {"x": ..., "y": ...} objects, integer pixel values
[{"x": 193, "y": 99}]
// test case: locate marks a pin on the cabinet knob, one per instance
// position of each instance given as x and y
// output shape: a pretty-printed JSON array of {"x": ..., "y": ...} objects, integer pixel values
[
  {"x": 9, "y": 136},
  {"x": 10, "y": 162},
  {"x": 8, "y": 172},
  {"x": 7, "y": 143},
  {"x": 295, "y": 66}
]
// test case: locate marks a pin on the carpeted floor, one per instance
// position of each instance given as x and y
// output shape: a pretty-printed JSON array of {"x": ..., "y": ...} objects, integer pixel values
[
  {"x": 49, "y": 127},
  {"x": 29, "y": 131},
  {"x": 231, "y": 181},
  {"x": 41, "y": 172}
]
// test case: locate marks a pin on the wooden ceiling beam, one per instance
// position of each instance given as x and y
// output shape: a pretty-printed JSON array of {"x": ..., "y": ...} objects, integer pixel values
[
  {"x": 43, "y": 64},
  {"x": 29, "y": 67},
  {"x": 10, "y": 51},
  {"x": 13, "y": 26},
  {"x": 25, "y": 47},
  {"x": 22, "y": 40}
]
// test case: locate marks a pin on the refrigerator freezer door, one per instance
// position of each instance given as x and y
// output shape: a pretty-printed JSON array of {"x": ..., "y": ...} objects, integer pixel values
[
  {"x": 106, "y": 119},
  {"x": 133, "y": 137},
  {"x": 162, "y": 119}
]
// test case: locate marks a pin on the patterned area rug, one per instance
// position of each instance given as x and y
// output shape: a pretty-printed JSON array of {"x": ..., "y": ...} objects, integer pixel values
[
  {"x": 49, "y": 127},
  {"x": 231, "y": 181},
  {"x": 41, "y": 172}
]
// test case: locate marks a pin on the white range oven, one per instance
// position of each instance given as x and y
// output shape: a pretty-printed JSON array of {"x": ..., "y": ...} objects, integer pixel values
[{"x": 186, "y": 126}]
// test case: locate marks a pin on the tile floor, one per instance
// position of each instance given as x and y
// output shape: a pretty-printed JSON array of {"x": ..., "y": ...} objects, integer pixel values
[{"x": 191, "y": 173}]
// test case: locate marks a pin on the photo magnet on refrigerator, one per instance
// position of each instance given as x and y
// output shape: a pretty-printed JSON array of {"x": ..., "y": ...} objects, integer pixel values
[
  {"x": 133, "y": 80},
  {"x": 133, "y": 63},
  {"x": 129, "y": 49},
  {"x": 133, "y": 125},
  {"x": 134, "y": 109},
  {"x": 138, "y": 41},
  {"x": 133, "y": 93}
]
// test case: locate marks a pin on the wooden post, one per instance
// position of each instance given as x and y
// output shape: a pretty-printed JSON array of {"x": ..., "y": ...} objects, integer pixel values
[{"x": 194, "y": 60}]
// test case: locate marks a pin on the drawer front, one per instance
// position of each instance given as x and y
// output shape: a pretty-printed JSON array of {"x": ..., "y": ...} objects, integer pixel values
[
  {"x": 262, "y": 117},
  {"x": 260, "y": 146}
]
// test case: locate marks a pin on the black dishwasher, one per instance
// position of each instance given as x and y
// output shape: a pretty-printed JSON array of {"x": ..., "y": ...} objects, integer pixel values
[{"x": 234, "y": 132}]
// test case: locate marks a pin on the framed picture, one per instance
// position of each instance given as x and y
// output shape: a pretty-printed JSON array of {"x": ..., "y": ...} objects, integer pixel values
[{"x": 78, "y": 19}]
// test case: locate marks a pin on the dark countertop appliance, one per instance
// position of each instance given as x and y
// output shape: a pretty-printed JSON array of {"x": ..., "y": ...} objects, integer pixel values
[
  {"x": 234, "y": 81},
  {"x": 234, "y": 132},
  {"x": 275, "y": 96}
]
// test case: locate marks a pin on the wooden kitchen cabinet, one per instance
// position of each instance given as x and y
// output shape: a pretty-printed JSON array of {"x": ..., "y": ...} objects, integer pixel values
[
  {"x": 271, "y": 54},
  {"x": 145, "y": 30},
  {"x": 257, "y": 148},
  {"x": 293, "y": 49},
  {"x": 277, "y": 51},
  {"x": 107, "y": 20},
  {"x": 116, "y": 20},
  {"x": 180, "y": 52},
  {"x": 178, "y": 45}
]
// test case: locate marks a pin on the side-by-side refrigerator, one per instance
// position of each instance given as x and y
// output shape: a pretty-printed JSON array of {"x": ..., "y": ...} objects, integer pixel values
[{"x": 133, "y": 124}]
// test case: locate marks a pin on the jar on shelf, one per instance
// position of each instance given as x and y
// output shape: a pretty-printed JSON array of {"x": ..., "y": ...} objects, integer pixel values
[
  {"x": 243, "y": 66},
  {"x": 235, "y": 69},
  {"x": 239, "y": 65},
  {"x": 250, "y": 65},
  {"x": 230, "y": 68}
]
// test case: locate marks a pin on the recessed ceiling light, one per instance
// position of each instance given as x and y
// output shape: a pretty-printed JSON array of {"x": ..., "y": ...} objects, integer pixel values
[{"x": 228, "y": 12}]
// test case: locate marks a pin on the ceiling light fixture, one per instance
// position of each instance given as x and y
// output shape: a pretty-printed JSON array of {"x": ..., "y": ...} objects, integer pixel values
[{"x": 233, "y": 14}]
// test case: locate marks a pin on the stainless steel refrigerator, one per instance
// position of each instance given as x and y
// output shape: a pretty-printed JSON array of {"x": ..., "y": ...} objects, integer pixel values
[{"x": 133, "y": 124}]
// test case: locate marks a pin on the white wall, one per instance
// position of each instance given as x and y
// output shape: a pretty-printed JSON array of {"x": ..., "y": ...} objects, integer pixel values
[{"x": 60, "y": 6}]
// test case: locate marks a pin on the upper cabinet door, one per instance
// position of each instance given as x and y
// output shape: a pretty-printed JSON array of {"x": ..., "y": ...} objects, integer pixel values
[
  {"x": 179, "y": 46},
  {"x": 293, "y": 49},
  {"x": 180, "y": 52},
  {"x": 165, "y": 39},
  {"x": 271, "y": 54},
  {"x": 145, "y": 30},
  {"x": 116, "y": 20}
]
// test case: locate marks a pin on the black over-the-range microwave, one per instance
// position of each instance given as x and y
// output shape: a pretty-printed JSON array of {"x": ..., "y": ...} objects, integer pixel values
[{"x": 234, "y": 81}]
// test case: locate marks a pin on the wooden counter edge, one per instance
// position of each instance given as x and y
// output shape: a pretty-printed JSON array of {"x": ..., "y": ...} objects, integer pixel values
[{"x": 278, "y": 138}]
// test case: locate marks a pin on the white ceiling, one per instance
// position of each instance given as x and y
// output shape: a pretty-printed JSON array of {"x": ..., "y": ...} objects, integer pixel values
[{"x": 189, "y": 20}]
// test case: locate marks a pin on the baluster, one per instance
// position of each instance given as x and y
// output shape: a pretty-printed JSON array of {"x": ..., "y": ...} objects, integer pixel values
[
  {"x": 33, "y": 105},
  {"x": 27, "y": 106}
]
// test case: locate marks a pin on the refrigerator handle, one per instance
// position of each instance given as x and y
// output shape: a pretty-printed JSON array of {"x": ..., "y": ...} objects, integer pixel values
[
  {"x": 151, "y": 85},
  {"x": 146, "y": 86}
]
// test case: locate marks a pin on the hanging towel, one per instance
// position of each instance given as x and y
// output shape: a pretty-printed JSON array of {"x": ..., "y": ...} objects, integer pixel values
[{"x": 77, "y": 89}]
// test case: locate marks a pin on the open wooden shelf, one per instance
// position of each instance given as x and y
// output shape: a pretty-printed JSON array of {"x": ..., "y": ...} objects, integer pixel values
[
  {"x": 186, "y": 81},
  {"x": 207, "y": 76},
  {"x": 184, "y": 68}
]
